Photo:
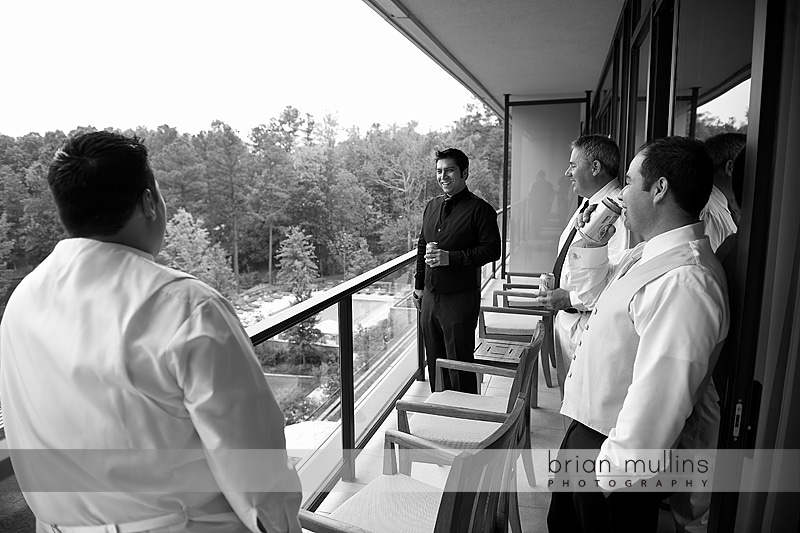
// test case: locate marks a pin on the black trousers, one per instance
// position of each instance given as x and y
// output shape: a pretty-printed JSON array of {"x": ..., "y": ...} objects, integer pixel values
[
  {"x": 448, "y": 328},
  {"x": 592, "y": 512}
]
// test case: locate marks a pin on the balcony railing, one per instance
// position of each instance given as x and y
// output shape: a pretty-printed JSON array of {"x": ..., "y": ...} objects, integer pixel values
[{"x": 373, "y": 373}]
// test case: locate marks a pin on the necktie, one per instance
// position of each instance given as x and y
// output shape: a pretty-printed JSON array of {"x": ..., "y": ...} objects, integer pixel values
[
  {"x": 447, "y": 206},
  {"x": 562, "y": 254}
]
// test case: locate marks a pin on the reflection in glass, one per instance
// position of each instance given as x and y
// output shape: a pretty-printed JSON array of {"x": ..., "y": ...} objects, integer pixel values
[
  {"x": 715, "y": 40},
  {"x": 640, "y": 109}
]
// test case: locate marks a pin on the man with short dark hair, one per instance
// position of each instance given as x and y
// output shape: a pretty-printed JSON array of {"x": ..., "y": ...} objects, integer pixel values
[
  {"x": 716, "y": 215},
  {"x": 137, "y": 381},
  {"x": 447, "y": 280},
  {"x": 643, "y": 368}
]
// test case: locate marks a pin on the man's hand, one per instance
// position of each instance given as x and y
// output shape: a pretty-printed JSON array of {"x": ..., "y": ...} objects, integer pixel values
[
  {"x": 417, "y": 297},
  {"x": 605, "y": 236},
  {"x": 556, "y": 300},
  {"x": 437, "y": 258}
]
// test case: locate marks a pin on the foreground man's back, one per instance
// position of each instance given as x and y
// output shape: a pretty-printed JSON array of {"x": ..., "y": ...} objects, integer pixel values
[{"x": 133, "y": 399}]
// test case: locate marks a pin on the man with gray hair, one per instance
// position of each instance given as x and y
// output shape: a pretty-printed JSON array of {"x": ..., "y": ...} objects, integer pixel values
[{"x": 593, "y": 168}]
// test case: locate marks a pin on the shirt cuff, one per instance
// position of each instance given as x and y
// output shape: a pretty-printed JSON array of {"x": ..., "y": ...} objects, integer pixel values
[
  {"x": 588, "y": 257},
  {"x": 576, "y": 302}
]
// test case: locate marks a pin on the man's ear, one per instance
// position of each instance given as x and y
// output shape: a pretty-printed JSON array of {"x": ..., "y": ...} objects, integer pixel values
[
  {"x": 596, "y": 167},
  {"x": 659, "y": 189},
  {"x": 465, "y": 174},
  {"x": 149, "y": 204},
  {"x": 729, "y": 167}
]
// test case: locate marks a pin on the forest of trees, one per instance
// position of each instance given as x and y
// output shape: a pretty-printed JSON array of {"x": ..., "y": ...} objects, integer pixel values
[
  {"x": 356, "y": 197},
  {"x": 295, "y": 202}
]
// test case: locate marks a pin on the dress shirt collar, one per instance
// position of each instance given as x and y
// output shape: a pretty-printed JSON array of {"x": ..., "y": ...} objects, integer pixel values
[
  {"x": 670, "y": 239},
  {"x": 609, "y": 189},
  {"x": 75, "y": 243},
  {"x": 457, "y": 197}
]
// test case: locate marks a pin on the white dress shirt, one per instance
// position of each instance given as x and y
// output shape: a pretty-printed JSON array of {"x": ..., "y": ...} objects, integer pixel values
[
  {"x": 569, "y": 326},
  {"x": 131, "y": 392},
  {"x": 717, "y": 218},
  {"x": 681, "y": 318}
]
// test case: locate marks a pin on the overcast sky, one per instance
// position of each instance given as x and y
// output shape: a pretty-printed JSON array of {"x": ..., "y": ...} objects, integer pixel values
[{"x": 186, "y": 63}]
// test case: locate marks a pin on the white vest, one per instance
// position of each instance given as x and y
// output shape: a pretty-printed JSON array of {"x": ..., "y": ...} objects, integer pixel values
[{"x": 602, "y": 369}]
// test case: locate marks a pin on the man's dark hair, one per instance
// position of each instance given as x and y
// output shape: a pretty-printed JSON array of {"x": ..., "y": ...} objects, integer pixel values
[
  {"x": 96, "y": 180},
  {"x": 725, "y": 147},
  {"x": 600, "y": 148},
  {"x": 456, "y": 155},
  {"x": 686, "y": 165}
]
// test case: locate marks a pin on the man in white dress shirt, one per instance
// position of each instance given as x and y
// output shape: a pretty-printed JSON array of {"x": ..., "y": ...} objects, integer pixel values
[
  {"x": 593, "y": 169},
  {"x": 643, "y": 366},
  {"x": 719, "y": 221},
  {"x": 133, "y": 399}
]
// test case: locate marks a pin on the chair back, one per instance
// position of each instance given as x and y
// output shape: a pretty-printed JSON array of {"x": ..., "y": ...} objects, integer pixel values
[
  {"x": 527, "y": 366},
  {"x": 473, "y": 497}
]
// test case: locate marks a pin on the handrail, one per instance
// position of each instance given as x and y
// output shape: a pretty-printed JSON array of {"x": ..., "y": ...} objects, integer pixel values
[{"x": 283, "y": 320}]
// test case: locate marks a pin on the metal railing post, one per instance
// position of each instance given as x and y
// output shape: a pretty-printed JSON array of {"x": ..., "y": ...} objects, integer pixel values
[{"x": 348, "y": 389}]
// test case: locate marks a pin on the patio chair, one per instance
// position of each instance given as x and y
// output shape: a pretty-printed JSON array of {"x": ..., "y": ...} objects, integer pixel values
[
  {"x": 522, "y": 298},
  {"x": 478, "y": 495},
  {"x": 440, "y": 417}
]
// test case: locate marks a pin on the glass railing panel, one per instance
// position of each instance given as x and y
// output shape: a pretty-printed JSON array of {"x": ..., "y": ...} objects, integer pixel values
[
  {"x": 384, "y": 345},
  {"x": 301, "y": 365}
]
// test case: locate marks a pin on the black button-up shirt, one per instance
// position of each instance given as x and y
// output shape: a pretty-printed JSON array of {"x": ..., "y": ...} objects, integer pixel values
[{"x": 466, "y": 226}]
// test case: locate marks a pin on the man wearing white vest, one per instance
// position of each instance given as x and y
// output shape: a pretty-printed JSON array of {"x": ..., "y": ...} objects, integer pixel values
[
  {"x": 593, "y": 168},
  {"x": 642, "y": 368}
]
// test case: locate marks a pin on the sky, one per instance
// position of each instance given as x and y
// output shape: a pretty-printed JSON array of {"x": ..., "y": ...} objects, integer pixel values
[
  {"x": 187, "y": 63},
  {"x": 123, "y": 64},
  {"x": 733, "y": 103}
]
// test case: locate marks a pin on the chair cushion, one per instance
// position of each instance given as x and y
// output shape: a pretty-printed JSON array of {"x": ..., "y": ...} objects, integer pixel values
[
  {"x": 510, "y": 324},
  {"x": 392, "y": 504},
  {"x": 455, "y": 432}
]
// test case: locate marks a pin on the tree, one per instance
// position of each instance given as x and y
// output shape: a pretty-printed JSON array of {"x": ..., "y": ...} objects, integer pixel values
[
  {"x": 6, "y": 242},
  {"x": 709, "y": 125},
  {"x": 298, "y": 272},
  {"x": 181, "y": 174},
  {"x": 226, "y": 160},
  {"x": 41, "y": 227},
  {"x": 188, "y": 248},
  {"x": 400, "y": 159},
  {"x": 353, "y": 254}
]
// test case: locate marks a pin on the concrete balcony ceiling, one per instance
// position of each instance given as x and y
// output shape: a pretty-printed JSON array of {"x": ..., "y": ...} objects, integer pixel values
[
  {"x": 527, "y": 48},
  {"x": 547, "y": 49}
]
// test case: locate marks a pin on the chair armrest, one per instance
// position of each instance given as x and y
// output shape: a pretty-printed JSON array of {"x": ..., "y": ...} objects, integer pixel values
[
  {"x": 324, "y": 524},
  {"x": 529, "y": 286},
  {"x": 510, "y": 275},
  {"x": 478, "y": 368},
  {"x": 516, "y": 294},
  {"x": 450, "y": 411},
  {"x": 515, "y": 310},
  {"x": 422, "y": 449}
]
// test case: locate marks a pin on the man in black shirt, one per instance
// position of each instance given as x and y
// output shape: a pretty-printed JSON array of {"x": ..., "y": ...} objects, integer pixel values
[{"x": 447, "y": 280}]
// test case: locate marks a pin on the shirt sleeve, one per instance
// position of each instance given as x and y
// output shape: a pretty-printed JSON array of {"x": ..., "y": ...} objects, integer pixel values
[
  {"x": 718, "y": 226},
  {"x": 237, "y": 417},
  {"x": 680, "y": 319},
  {"x": 488, "y": 243},
  {"x": 419, "y": 271},
  {"x": 589, "y": 273}
]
